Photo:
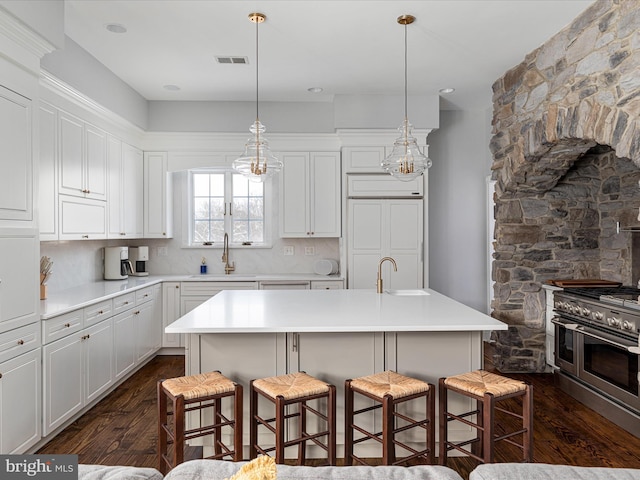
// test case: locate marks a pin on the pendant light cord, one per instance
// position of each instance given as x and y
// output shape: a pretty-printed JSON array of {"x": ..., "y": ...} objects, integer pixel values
[
  {"x": 405, "y": 72},
  {"x": 257, "y": 68}
]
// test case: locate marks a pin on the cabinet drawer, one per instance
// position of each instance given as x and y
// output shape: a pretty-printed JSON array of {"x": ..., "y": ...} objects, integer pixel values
[
  {"x": 19, "y": 341},
  {"x": 144, "y": 295},
  {"x": 61, "y": 326},
  {"x": 124, "y": 302},
  {"x": 211, "y": 288},
  {"x": 98, "y": 312},
  {"x": 383, "y": 186},
  {"x": 327, "y": 285}
]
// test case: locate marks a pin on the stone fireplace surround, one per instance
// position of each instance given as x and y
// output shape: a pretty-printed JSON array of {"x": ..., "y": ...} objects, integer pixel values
[{"x": 566, "y": 152}]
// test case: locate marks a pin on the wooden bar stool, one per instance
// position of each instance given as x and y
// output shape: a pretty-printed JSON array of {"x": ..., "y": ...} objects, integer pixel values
[
  {"x": 390, "y": 389},
  {"x": 293, "y": 389},
  {"x": 197, "y": 393},
  {"x": 487, "y": 389}
]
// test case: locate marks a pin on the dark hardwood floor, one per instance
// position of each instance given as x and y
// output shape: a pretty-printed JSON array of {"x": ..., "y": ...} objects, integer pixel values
[{"x": 122, "y": 430}]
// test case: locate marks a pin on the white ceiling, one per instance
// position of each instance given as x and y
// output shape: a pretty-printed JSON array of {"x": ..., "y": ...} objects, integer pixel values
[{"x": 342, "y": 46}]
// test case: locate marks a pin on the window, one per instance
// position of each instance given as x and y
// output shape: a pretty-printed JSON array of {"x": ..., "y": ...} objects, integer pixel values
[{"x": 226, "y": 202}]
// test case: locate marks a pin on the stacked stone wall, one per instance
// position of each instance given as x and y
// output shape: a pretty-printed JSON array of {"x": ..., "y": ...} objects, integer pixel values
[{"x": 566, "y": 150}]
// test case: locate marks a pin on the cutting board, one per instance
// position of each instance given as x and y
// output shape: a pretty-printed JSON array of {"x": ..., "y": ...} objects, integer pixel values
[{"x": 582, "y": 283}]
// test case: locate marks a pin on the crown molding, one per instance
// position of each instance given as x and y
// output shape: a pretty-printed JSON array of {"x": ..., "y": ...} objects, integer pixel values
[{"x": 21, "y": 44}]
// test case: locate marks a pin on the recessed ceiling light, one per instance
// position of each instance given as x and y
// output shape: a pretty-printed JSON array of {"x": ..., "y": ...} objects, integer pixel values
[
  {"x": 171, "y": 88},
  {"x": 447, "y": 90},
  {"x": 314, "y": 89},
  {"x": 116, "y": 28}
]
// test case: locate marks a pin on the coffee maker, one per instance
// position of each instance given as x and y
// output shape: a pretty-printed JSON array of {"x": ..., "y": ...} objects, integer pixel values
[
  {"x": 116, "y": 263},
  {"x": 139, "y": 256}
]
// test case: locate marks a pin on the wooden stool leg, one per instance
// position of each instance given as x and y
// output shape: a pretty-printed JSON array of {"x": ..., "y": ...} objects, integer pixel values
[
  {"x": 237, "y": 423},
  {"x": 253, "y": 422},
  {"x": 302, "y": 432},
  {"x": 477, "y": 448},
  {"x": 442, "y": 413},
  {"x": 487, "y": 423},
  {"x": 388, "y": 448},
  {"x": 348, "y": 423},
  {"x": 162, "y": 433},
  {"x": 217, "y": 434},
  {"x": 280, "y": 433},
  {"x": 178, "y": 419},
  {"x": 331, "y": 420},
  {"x": 527, "y": 422},
  {"x": 431, "y": 426}
]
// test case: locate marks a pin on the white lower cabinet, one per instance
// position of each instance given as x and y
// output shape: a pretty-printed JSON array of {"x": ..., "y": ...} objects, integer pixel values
[
  {"x": 78, "y": 370},
  {"x": 88, "y": 351},
  {"x": 62, "y": 395},
  {"x": 20, "y": 402},
  {"x": 170, "y": 313},
  {"x": 196, "y": 293},
  {"x": 124, "y": 334}
]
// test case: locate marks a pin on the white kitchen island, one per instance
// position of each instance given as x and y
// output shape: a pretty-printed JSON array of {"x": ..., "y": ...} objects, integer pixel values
[{"x": 333, "y": 335}]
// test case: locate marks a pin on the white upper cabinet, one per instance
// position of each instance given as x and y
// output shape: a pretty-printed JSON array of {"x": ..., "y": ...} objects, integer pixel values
[
  {"x": 363, "y": 159},
  {"x": 310, "y": 195},
  {"x": 125, "y": 190},
  {"x": 16, "y": 158},
  {"x": 47, "y": 191},
  {"x": 83, "y": 159},
  {"x": 157, "y": 196}
]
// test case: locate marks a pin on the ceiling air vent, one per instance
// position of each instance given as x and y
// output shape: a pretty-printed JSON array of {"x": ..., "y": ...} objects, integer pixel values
[{"x": 229, "y": 60}]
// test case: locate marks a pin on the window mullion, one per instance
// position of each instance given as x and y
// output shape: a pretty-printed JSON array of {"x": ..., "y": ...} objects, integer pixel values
[{"x": 228, "y": 199}]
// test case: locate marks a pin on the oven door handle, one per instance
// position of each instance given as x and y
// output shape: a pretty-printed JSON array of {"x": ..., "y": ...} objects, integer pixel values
[
  {"x": 567, "y": 325},
  {"x": 629, "y": 348}
]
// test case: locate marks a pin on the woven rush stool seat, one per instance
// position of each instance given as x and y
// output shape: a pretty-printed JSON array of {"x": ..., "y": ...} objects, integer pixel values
[
  {"x": 203, "y": 393},
  {"x": 487, "y": 389},
  {"x": 294, "y": 389},
  {"x": 388, "y": 390}
]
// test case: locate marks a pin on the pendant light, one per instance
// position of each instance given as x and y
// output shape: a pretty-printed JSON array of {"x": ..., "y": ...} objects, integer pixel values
[
  {"x": 406, "y": 161},
  {"x": 257, "y": 161}
]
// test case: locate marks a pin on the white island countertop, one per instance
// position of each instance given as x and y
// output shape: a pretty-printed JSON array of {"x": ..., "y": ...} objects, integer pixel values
[{"x": 270, "y": 311}]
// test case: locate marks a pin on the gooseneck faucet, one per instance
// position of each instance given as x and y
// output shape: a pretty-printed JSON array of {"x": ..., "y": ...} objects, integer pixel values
[
  {"x": 395, "y": 269},
  {"x": 225, "y": 256}
]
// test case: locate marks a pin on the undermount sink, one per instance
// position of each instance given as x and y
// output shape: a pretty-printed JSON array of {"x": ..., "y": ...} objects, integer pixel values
[{"x": 407, "y": 293}]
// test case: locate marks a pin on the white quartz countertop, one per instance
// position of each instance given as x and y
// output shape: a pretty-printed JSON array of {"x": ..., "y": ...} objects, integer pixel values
[
  {"x": 268, "y": 311},
  {"x": 63, "y": 301}
]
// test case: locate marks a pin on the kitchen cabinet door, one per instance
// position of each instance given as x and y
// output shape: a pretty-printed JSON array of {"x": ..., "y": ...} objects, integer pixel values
[
  {"x": 16, "y": 158},
  {"x": 124, "y": 334},
  {"x": 310, "y": 195},
  {"x": 63, "y": 383},
  {"x": 82, "y": 168},
  {"x": 170, "y": 313},
  {"x": 81, "y": 218},
  {"x": 363, "y": 159},
  {"x": 146, "y": 327},
  {"x": 19, "y": 274},
  {"x": 385, "y": 227},
  {"x": 47, "y": 191},
  {"x": 98, "y": 360},
  {"x": 125, "y": 190},
  {"x": 20, "y": 402},
  {"x": 158, "y": 196}
]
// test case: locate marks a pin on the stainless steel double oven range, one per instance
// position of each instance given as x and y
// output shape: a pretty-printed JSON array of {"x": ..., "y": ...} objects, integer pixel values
[{"x": 598, "y": 352}]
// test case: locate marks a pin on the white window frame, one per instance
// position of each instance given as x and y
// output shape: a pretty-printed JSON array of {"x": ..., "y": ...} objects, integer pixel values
[{"x": 188, "y": 220}]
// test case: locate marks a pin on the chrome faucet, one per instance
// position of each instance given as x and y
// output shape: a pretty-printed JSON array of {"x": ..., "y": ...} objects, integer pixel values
[
  {"x": 225, "y": 256},
  {"x": 395, "y": 269}
]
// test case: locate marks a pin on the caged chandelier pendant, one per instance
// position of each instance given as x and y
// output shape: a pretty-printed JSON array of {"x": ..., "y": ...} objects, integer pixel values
[
  {"x": 257, "y": 161},
  {"x": 406, "y": 161}
]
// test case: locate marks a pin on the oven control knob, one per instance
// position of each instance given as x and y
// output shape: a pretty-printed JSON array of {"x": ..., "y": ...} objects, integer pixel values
[
  {"x": 613, "y": 321},
  {"x": 585, "y": 312},
  {"x": 627, "y": 325},
  {"x": 598, "y": 315}
]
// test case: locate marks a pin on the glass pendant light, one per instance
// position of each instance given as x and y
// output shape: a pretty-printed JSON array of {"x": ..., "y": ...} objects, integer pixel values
[
  {"x": 406, "y": 161},
  {"x": 257, "y": 161}
]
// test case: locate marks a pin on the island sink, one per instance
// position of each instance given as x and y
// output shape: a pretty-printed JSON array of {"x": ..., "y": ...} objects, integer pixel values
[{"x": 406, "y": 293}]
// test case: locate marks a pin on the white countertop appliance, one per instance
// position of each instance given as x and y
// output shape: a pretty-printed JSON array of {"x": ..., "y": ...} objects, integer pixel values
[
  {"x": 138, "y": 257},
  {"x": 116, "y": 263}
]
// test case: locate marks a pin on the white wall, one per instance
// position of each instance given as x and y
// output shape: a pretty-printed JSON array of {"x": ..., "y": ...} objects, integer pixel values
[{"x": 457, "y": 209}]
